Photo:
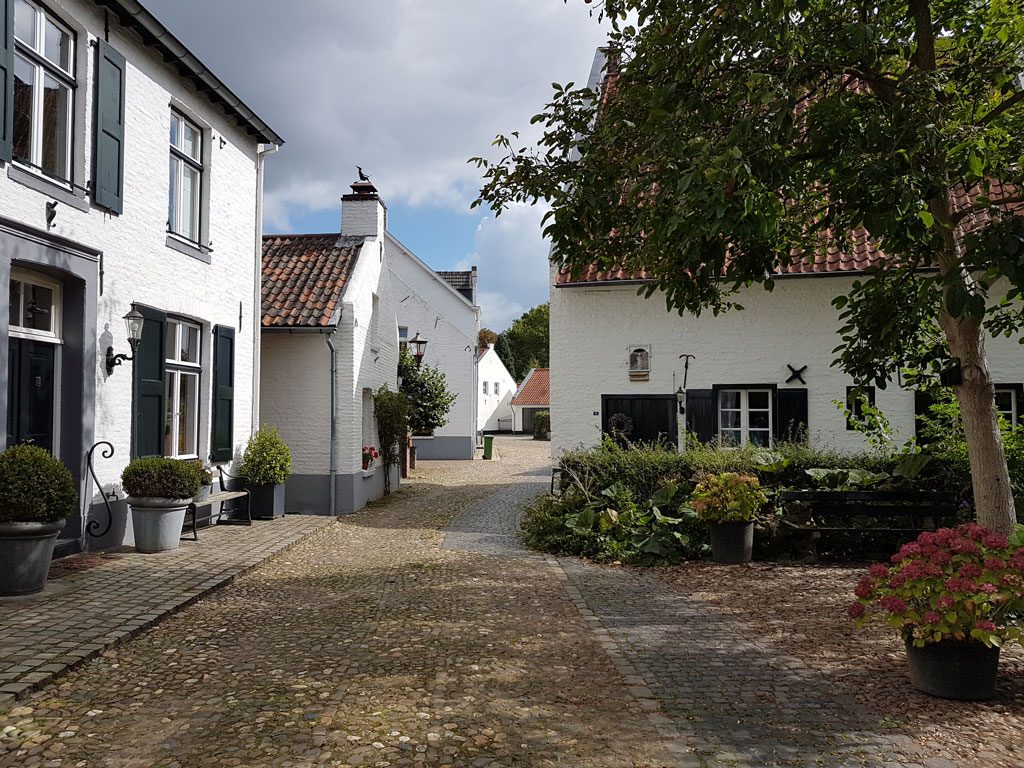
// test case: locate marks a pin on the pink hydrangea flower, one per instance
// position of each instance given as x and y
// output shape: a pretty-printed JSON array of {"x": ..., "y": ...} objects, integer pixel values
[
  {"x": 985, "y": 626},
  {"x": 944, "y": 603},
  {"x": 893, "y": 605},
  {"x": 878, "y": 571},
  {"x": 865, "y": 588},
  {"x": 855, "y": 611},
  {"x": 931, "y": 617}
]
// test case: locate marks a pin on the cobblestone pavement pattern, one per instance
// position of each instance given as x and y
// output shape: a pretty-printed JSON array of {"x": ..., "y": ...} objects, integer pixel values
[{"x": 367, "y": 644}]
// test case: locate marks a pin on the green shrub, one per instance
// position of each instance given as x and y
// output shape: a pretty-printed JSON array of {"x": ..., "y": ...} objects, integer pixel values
[
  {"x": 156, "y": 477},
  {"x": 35, "y": 487},
  {"x": 267, "y": 460},
  {"x": 541, "y": 425},
  {"x": 728, "y": 497}
]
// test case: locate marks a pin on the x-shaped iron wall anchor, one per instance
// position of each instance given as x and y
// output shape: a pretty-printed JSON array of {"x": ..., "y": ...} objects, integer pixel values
[{"x": 796, "y": 374}]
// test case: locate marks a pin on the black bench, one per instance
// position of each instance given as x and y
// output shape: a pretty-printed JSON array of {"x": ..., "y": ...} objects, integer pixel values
[
  {"x": 224, "y": 496},
  {"x": 919, "y": 511}
]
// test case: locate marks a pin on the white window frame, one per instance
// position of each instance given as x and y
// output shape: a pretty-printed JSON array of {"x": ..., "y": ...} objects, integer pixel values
[
  {"x": 174, "y": 370},
  {"x": 497, "y": 391},
  {"x": 403, "y": 337},
  {"x": 485, "y": 388},
  {"x": 54, "y": 336},
  {"x": 1015, "y": 404},
  {"x": 744, "y": 411},
  {"x": 175, "y": 196},
  {"x": 33, "y": 51}
]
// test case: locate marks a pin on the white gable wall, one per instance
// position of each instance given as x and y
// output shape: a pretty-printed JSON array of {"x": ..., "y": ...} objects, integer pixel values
[
  {"x": 592, "y": 329},
  {"x": 427, "y": 305},
  {"x": 494, "y": 412}
]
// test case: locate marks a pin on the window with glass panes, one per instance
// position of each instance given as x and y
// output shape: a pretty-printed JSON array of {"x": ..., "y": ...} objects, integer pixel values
[
  {"x": 33, "y": 307},
  {"x": 182, "y": 370},
  {"x": 186, "y": 194},
  {"x": 745, "y": 417},
  {"x": 1008, "y": 404},
  {"x": 44, "y": 90}
]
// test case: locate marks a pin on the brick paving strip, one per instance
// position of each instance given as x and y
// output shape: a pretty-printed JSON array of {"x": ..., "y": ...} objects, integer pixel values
[{"x": 85, "y": 612}]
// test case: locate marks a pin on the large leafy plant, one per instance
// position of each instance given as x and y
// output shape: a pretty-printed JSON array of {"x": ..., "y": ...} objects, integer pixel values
[
  {"x": 267, "y": 459},
  {"x": 35, "y": 487},
  {"x": 964, "y": 583}
]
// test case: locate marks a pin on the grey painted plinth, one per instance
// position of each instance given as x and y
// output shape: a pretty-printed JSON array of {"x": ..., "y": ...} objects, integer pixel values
[
  {"x": 310, "y": 494},
  {"x": 448, "y": 448}
]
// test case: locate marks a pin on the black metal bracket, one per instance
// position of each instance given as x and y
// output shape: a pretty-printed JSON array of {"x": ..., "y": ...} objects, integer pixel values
[
  {"x": 115, "y": 360},
  {"x": 93, "y": 525},
  {"x": 796, "y": 374}
]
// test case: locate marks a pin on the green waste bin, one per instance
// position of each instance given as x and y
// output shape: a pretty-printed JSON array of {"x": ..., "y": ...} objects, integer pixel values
[{"x": 488, "y": 446}]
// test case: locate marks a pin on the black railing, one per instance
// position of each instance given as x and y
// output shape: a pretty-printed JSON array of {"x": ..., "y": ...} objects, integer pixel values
[{"x": 94, "y": 525}]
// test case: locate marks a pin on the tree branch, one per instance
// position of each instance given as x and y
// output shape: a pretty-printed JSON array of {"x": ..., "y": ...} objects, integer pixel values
[
  {"x": 924, "y": 58},
  {"x": 1010, "y": 103}
]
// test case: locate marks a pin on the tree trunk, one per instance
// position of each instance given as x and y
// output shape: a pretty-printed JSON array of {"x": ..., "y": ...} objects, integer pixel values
[{"x": 990, "y": 477}]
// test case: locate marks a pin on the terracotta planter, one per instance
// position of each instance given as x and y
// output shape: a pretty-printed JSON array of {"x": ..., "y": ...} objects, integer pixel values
[
  {"x": 951, "y": 669},
  {"x": 26, "y": 550},
  {"x": 732, "y": 543}
]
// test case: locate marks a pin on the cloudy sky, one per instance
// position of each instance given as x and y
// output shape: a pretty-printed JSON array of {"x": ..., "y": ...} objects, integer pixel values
[{"x": 408, "y": 89}]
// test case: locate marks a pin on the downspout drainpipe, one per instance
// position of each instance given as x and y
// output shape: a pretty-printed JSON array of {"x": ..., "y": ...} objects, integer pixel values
[
  {"x": 257, "y": 313},
  {"x": 334, "y": 422}
]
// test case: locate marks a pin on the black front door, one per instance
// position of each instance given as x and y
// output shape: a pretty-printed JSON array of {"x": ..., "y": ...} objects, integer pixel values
[
  {"x": 31, "y": 373},
  {"x": 640, "y": 418}
]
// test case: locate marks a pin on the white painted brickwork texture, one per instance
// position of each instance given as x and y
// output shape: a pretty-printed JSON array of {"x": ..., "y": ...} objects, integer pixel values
[
  {"x": 427, "y": 305},
  {"x": 138, "y": 265},
  {"x": 592, "y": 330},
  {"x": 494, "y": 411}
]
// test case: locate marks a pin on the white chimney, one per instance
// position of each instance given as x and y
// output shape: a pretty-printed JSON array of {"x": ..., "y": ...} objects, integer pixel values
[{"x": 363, "y": 213}]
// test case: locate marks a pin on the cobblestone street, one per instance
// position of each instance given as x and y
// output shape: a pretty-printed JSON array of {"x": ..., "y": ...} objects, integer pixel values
[{"x": 420, "y": 632}]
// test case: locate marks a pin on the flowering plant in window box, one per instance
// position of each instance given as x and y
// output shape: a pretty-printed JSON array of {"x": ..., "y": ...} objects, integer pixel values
[
  {"x": 370, "y": 455},
  {"x": 728, "y": 503},
  {"x": 955, "y": 596}
]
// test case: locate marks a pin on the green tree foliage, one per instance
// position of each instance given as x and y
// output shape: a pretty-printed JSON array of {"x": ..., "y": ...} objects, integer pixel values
[
  {"x": 527, "y": 342},
  {"x": 740, "y": 134},
  {"x": 427, "y": 391},
  {"x": 486, "y": 337},
  {"x": 391, "y": 412}
]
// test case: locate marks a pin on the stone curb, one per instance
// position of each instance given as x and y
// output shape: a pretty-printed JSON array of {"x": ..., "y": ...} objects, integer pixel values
[{"x": 15, "y": 691}]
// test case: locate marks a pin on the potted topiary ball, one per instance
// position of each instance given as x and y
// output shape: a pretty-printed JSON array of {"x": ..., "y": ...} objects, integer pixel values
[
  {"x": 159, "y": 491},
  {"x": 266, "y": 464},
  {"x": 729, "y": 503},
  {"x": 37, "y": 495}
]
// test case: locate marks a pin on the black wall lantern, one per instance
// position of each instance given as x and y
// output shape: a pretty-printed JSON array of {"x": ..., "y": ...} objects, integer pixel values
[
  {"x": 134, "y": 322},
  {"x": 419, "y": 348},
  {"x": 681, "y": 399}
]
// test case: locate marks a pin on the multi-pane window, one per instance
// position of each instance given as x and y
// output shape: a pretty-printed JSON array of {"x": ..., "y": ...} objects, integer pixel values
[
  {"x": 33, "y": 308},
  {"x": 745, "y": 417},
  {"x": 44, "y": 86},
  {"x": 403, "y": 337},
  {"x": 183, "y": 215},
  {"x": 1008, "y": 404},
  {"x": 485, "y": 387},
  {"x": 497, "y": 389},
  {"x": 181, "y": 382}
]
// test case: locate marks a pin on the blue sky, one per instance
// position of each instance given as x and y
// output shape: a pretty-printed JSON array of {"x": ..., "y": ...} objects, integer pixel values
[{"x": 408, "y": 89}]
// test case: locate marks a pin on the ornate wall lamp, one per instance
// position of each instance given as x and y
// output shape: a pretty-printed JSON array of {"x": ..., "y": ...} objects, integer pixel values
[
  {"x": 419, "y": 348},
  {"x": 134, "y": 322}
]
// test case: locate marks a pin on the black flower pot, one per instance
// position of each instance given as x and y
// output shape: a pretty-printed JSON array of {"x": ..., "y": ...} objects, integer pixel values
[
  {"x": 267, "y": 501},
  {"x": 732, "y": 543},
  {"x": 951, "y": 669},
  {"x": 26, "y": 550}
]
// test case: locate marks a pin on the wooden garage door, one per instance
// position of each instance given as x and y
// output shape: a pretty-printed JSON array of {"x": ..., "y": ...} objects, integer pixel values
[{"x": 641, "y": 418}]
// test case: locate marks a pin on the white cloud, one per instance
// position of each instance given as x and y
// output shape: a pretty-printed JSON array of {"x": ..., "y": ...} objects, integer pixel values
[{"x": 512, "y": 257}]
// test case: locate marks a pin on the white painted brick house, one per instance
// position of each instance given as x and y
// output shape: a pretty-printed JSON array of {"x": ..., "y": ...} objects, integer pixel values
[
  {"x": 497, "y": 388},
  {"x": 329, "y": 341},
  {"x": 441, "y": 308},
  {"x": 129, "y": 178}
]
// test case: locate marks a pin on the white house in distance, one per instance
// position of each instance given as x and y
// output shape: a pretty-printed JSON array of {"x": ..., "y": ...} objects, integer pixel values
[
  {"x": 754, "y": 376},
  {"x": 532, "y": 397},
  {"x": 441, "y": 308},
  {"x": 132, "y": 180},
  {"x": 497, "y": 387},
  {"x": 329, "y": 342}
]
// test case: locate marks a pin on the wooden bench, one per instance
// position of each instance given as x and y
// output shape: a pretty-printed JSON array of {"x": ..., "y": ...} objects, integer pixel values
[
  {"x": 920, "y": 511},
  {"x": 221, "y": 497}
]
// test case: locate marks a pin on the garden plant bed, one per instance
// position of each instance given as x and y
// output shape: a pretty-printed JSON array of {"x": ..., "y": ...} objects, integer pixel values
[{"x": 800, "y": 612}]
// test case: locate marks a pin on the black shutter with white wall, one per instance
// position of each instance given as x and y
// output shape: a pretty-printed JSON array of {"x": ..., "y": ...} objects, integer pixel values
[
  {"x": 108, "y": 159},
  {"x": 701, "y": 416},
  {"x": 7, "y": 80},
  {"x": 791, "y": 414},
  {"x": 149, "y": 420},
  {"x": 222, "y": 432}
]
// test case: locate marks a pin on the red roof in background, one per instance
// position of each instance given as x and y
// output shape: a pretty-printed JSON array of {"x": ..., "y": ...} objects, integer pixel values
[
  {"x": 536, "y": 390},
  {"x": 304, "y": 276},
  {"x": 865, "y": 251}
]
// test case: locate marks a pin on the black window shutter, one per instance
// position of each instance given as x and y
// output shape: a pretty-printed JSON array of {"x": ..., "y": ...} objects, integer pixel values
[
  {"x": 150, "y": 419},
  {"x": 701, "y": 418},
  {"x": 108, "y": 161},
  {"x": 791, "y": 414},
  {"x": 222, "y": 438},
  {"x": 7, "y": 80}
]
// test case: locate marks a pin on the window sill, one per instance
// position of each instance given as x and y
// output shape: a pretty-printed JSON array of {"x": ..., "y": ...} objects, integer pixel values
[
  {"x": 180, "y": 245},
  {"x": 47, "y": 187},
  {"x": 368, "y": 472}
]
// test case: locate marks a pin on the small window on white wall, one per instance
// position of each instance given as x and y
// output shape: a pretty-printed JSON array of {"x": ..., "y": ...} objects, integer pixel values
[
  {"x": 369, "y": 424},
  {"x": 403, "y": 337},
  {"x": 497, "y": 388},
  {"x": 485, "y": 387}
]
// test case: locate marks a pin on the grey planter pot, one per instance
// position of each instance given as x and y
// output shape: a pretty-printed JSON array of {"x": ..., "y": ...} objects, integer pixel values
[
  {"x": 267, "y": 501},
  {"x": 26, "y": 550},
  {"x": 157, "y": 522},
  {"x": 951, "y": 669},
  {"x": 732, "y": 542},
  {"x": 204, "y": 493}
]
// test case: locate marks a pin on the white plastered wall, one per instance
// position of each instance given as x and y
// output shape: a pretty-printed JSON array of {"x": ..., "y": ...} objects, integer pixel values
[{"x": 494, "y": 411}]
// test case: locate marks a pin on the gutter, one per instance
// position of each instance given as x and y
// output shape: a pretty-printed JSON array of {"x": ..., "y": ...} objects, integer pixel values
[
  {"x": 257, "y": 313},
  {"x": 333, "y": 474}
]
